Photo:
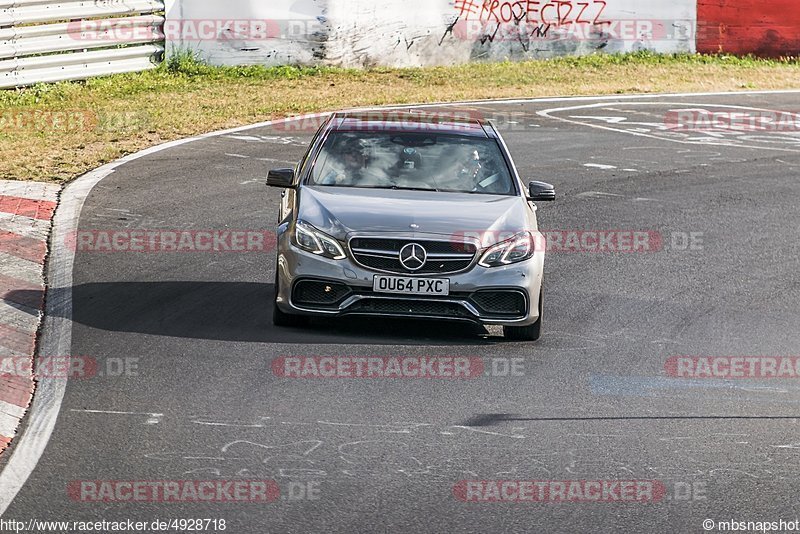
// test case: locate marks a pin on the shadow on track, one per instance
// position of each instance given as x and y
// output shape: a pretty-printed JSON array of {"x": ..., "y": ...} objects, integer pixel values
[
  {"x": 242, "y": 312},
  {"x": 494, "y": 419}
]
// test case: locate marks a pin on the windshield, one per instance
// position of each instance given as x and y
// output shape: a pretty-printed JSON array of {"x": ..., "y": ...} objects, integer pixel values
[{"x": 425, "y": 162}]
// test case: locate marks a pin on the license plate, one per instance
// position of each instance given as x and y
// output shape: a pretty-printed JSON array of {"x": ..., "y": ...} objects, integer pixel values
[{"x": 411, "y": 286}]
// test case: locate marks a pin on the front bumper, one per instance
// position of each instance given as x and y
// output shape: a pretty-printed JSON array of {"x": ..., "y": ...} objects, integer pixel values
[{"x": 476, "y": 295}]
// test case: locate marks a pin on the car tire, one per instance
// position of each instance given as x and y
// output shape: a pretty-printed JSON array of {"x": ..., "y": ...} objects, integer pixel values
[
  {"x": 527, "y": 333},
  {"x": 281, "y": 318}
]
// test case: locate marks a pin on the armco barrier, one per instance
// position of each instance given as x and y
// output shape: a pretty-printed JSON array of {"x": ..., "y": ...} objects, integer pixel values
[
  {"x": 52, "y": 40},
  {"x": 768, "y": 28}
]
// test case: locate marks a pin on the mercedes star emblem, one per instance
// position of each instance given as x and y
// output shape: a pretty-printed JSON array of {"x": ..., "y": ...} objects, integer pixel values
[{"x": 413, "y": 256}]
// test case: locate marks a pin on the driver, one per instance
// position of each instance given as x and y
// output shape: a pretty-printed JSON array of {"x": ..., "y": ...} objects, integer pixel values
[{"x": 353, "y": 158}]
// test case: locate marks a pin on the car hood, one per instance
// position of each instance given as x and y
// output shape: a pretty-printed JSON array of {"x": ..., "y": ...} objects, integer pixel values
[{"x": 341, "y": 211}]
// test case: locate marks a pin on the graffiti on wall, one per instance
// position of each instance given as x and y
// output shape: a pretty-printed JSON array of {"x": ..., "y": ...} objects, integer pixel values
[
  {"x": 554, "y": 13},
  {"x": 580, "y": 24},
  {"x": 525, "y": 21}
]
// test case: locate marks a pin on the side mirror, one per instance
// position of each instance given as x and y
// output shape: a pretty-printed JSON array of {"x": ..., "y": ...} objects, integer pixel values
[
  {"x": 283, "y": 178},
  {"x": 541, "y": 192}
]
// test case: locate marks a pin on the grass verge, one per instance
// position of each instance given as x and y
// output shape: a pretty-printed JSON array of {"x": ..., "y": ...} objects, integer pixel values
[{"x": 57, "y": 132}]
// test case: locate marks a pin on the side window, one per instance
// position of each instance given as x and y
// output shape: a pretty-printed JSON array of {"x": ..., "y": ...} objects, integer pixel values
[{"x": 302, "y": 166}]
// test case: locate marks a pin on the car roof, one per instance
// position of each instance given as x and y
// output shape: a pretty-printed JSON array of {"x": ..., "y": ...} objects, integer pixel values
[{"x": 443, "y": 122}]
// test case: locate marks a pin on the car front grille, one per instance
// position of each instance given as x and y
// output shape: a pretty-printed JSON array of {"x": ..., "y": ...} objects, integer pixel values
[
  {"x": 384, "y": 255},
  {"x": 323, "y": 295},
  {"x": 505, "y": 303},
  {"x": 416, "y": 308}
]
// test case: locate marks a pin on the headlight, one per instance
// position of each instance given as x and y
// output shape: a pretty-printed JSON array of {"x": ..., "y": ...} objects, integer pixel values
[
  {"x": 519, "y": 248},
  {"x": 309, "y": 238}
]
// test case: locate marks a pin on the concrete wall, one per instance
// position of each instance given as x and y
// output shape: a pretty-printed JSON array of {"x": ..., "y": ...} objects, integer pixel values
[
  {"x": 768, "y": 28},
  {"x": 267, "y": 32},
  {"x": 356, "y": 33},
  {"x": 440, "y": 32}
]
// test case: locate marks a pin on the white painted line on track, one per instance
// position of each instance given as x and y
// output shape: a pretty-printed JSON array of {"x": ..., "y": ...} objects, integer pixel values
[
  {"x": 56, "y": 339},
  {"x": 600, "y": 166},
  {"x": 548, "y": 113},
  {"x": 596, "y": 98},
  {"x": 117, "y": 412}
]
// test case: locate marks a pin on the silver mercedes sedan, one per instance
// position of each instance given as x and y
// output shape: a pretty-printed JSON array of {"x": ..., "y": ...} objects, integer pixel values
[{"x": 410, "y": 215}]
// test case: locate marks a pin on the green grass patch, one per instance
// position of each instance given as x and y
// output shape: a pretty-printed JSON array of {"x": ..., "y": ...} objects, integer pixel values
[{"x": 184, "y": 96}]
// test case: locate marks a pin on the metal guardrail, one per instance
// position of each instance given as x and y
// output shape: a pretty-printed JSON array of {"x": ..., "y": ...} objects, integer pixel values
[{"x": 52, "y": 40}]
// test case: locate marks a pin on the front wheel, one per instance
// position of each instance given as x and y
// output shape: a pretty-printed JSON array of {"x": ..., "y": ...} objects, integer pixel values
[{"x": 527, "y": 333}]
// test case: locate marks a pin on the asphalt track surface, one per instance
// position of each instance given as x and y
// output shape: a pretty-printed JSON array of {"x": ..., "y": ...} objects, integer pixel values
[{"x": 593, "y": 401}]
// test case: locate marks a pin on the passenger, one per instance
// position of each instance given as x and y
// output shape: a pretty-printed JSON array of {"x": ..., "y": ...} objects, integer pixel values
[{"x": 478, "y": 176}]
